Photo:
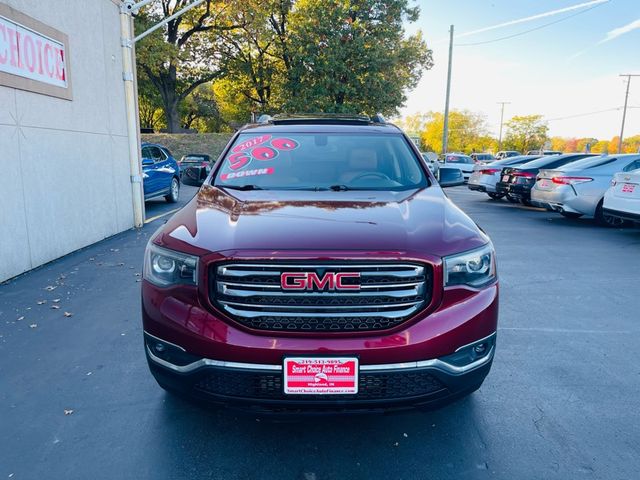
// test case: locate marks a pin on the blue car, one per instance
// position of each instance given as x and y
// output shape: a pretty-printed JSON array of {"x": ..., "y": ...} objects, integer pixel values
[{"x": 160, "y": 173}]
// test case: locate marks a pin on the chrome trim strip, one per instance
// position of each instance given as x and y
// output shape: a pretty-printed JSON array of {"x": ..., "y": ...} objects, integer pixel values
[
  {"x": 207, "y": 362},
  {"x": 266, "y": 313},
  {"x": 477, "y": 341},
  {"x": 223, "y": 289},
  {"x": 164, "y": 341},
  {"x": 322, "y": 307},
  {"x": 435, "y": 363},
  {"x": 392, "y": 285},
  {"x": 280, "y": 266}
]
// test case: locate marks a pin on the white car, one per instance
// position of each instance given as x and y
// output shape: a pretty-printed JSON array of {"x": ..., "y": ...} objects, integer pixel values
[
  {"x": 461, "y": 161},
  {"x": 622, "y": 200},
  {"x": 578, "y": 188},
  {"x": 485, "y": 177}
]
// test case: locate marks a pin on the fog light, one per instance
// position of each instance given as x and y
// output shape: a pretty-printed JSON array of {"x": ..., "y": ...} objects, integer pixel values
[
  {"x": 480, "y": 348},
  {"x": 159, "y": 347}
]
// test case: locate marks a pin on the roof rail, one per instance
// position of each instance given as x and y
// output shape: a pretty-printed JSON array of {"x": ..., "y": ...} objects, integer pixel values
[{"x": 321, "y": 118}]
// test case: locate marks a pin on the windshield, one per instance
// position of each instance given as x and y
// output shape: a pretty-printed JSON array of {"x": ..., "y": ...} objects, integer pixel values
[
  {"x": 321, "y": 161},
  {"x": 458, "y": 159},
  {"x": 195, "y": 159}
]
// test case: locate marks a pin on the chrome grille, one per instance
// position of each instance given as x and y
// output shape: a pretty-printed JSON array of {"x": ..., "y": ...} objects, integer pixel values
[{"x": 388, "y": 294}]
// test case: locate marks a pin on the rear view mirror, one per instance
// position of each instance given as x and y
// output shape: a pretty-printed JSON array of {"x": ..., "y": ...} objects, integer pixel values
[{"x": 147, "y": 161}]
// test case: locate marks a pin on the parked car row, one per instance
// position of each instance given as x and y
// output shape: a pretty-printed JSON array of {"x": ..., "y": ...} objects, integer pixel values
[
  {"x": 605, "y": 187},
  {"x": 162, "y": 174}
]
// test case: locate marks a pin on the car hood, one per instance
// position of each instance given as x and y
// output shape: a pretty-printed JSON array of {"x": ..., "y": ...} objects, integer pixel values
[{"x": 422, "y": 220}]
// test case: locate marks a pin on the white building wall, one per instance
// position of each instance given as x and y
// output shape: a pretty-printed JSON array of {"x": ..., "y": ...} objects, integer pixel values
[{"x": 64, "y": 164}]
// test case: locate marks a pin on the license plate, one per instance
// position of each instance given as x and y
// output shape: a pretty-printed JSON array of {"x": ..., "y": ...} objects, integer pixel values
[
  {"x": 320, "y": 376},
  {"x": 544, "y": 183},
  {"x": 628, "y": 188},
  {"x": 505, "y": 178}
]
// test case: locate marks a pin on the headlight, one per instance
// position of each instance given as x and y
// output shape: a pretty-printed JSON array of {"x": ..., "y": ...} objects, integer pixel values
[
  {"x": 164, "y": 267},
  {"x": 474, "y": 268}
]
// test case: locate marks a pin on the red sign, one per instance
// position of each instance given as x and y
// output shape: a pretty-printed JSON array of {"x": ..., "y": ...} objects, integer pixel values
[
  {"x": 313, "y": 281},
  {"x": 246, "y": 173},
  {"x": 628, "y": 188},
  {"x": 252, "y": 142},
  {"x": 318, "y": 376},
  {"x": 32, "y": 55}
]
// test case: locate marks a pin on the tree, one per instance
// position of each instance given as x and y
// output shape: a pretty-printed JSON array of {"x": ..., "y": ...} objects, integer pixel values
[
  {"x": 413, "y": 124},
  {"x": 559, "y": 144},
  {"x": 183, "y": 55},
  {"x": 601, "y": 146},
  {"x": 467, "y": 132},
  {"x": 200, "y": 110},
  {"x": 254, "y": 62},
  {"x": 631, "y": 144},
  {"x": 524, "y": 133},
  {"x": 351, "y": 56}
]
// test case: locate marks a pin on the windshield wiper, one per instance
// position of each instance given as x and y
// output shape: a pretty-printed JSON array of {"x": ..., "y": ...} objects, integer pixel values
[
  {"x": 339, "y": 188},
  {"x": 241, "y": 187}
]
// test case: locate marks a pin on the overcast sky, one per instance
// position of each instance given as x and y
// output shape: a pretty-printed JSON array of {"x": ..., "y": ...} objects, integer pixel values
[{"x": 560, "y": 70}]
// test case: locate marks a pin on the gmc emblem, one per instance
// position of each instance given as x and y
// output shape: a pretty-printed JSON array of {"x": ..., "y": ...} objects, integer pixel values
[{"x": 312, "y": 281}]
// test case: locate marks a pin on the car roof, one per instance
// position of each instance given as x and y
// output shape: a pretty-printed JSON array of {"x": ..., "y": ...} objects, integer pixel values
[
  {"x": 323, "y": 127},
  {"x": 544, "y": 160}
]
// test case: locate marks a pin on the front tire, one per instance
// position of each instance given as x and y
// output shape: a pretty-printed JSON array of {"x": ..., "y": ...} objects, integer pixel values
[
  {"x": 512, "y": 199},
  {"x": 495, "y": 196},
  {"x": 174, "y": 192}
]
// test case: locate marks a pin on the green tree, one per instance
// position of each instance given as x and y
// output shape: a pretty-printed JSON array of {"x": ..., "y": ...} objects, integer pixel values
[
  {"x": 468, "y": 132},
  {"x": 524, "y": 133},
  {"x": 250, "y": 51},
  {"x": 183, "y": 55},
  {"x": 351, "y": 56},
  {"x": 200, "y": 110}
]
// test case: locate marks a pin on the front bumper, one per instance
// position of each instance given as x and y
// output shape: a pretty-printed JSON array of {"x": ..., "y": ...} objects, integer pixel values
[{"x": 259, "y": 387}]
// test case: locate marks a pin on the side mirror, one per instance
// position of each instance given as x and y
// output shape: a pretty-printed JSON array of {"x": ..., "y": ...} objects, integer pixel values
[
  {"x": 451, "y": 177},
  {"x": 147, "y": 162}
]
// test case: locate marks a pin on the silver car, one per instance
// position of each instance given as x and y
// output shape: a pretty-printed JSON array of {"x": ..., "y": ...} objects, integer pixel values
[
  {"x": 578, "y": 188},
  {"x": 485, "y": 177}
]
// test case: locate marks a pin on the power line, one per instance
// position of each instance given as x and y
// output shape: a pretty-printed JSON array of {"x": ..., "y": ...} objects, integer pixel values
[
  {"x": 539, "y": 27},
  {"x": 583, "y": 114}
]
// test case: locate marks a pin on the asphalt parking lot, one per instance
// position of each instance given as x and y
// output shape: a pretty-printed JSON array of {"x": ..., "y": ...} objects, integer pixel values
[
  {"x": 561, "y": 402},
  {"x": 157, "y": 208}
]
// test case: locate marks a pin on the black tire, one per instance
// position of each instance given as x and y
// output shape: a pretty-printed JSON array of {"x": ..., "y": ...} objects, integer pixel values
[
  {"x": 512, "y": 199},
  {"x": 495, "y": 196},
  {"x": 607, "y": 220},
  {"x": 174, "y": 192},
  {"x": 526, "y": 202},
  {"x": 570, "y": 215}
]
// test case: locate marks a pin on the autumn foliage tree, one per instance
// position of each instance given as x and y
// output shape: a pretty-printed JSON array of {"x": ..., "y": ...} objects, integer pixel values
[
  {"x": 528, "y": 132},
  {"x": 468, "y": 132}
]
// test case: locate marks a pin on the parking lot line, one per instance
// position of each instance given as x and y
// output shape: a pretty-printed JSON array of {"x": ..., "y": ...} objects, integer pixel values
[{"x": 152, "y": 219}]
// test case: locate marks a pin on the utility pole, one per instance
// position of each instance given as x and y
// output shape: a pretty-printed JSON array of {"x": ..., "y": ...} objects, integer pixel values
[
  {"x": 128, "y": 8},
  {"x": 501, "y": 123},
  {"x": 445, "y": 130},
  {"x": 624, "y": 111}
]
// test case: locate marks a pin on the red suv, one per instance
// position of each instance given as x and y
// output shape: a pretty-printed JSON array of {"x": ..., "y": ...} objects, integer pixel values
[{"x": 320, "y": 268}]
